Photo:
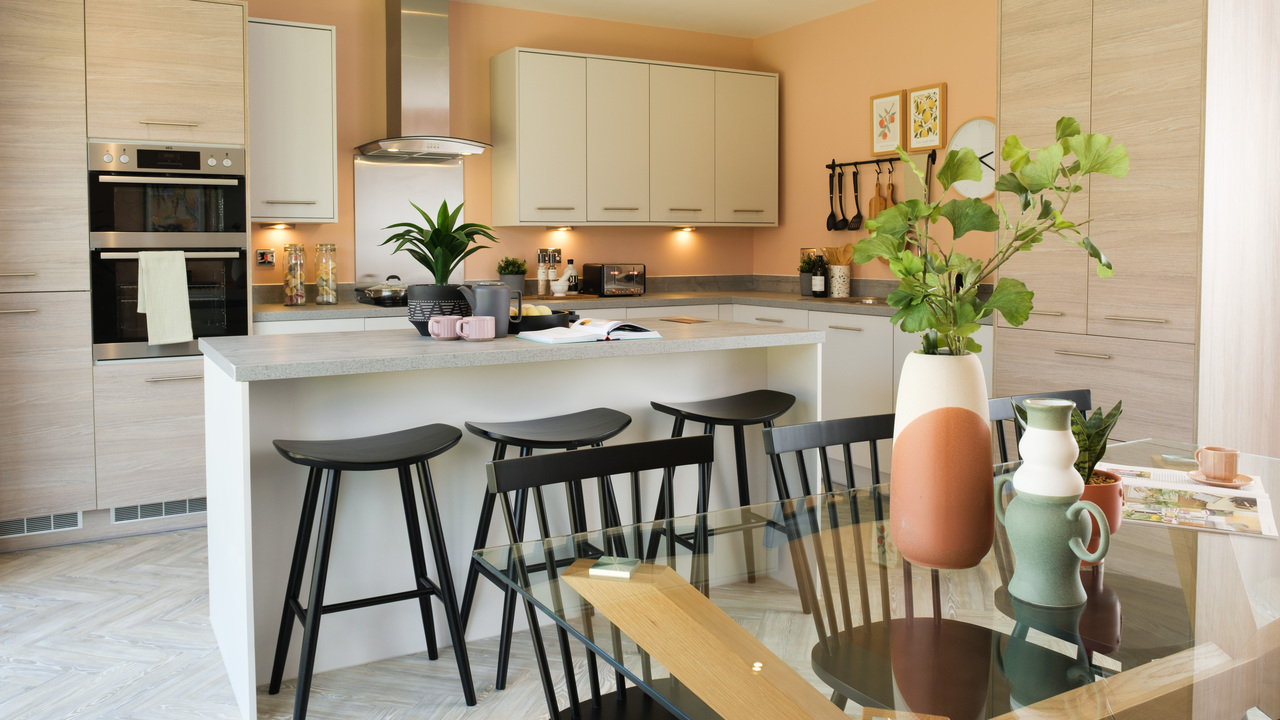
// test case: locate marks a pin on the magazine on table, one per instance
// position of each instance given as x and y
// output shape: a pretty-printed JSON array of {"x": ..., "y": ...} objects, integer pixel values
[
  {"x": 1170, "y": 497},
  {"x": 591, "y": 330}
]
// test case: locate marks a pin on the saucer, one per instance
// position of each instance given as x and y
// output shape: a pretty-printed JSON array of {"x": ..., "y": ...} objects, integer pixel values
[{"x": 1239, "y": 482}]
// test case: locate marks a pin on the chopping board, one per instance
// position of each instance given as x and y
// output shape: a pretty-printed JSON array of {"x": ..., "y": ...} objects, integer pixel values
[{"x": 877, "y": 203}]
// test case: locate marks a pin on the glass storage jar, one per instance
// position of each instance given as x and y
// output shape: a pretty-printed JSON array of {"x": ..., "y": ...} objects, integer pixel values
[
  {"x": 295, "y": 275},
  {"x": 326, "y": 275}
]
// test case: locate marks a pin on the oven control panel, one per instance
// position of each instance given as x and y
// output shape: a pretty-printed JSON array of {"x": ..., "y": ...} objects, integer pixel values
[{"x": 157, "y": 158}]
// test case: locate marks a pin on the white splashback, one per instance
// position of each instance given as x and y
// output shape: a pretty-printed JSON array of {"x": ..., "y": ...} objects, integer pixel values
[{"x": 383, "y": 192}]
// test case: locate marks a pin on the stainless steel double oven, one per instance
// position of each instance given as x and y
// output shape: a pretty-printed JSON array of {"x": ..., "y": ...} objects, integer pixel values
[{"x": 148, "y": 197}]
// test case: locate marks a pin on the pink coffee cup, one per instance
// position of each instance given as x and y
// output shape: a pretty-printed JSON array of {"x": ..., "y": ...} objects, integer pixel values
[
  {"x": 1218, "y": 463},
  {"x": 443, "y": 327},
  {"x": 476, "y": 328}
]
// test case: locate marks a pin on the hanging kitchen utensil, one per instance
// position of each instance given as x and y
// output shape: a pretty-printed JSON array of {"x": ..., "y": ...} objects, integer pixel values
[
  {"x": 843, "y": 222},
  {"x": 877, "y": 202},
  {"x": 855, "y": 222},
  {"x": 888, "y": 199},
  {"x": 831, "y": 196}
]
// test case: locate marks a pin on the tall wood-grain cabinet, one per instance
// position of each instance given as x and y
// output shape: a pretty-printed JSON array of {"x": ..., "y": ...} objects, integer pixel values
[
  {"x": 1133, "y": 70},
  {"x": 293, "y": 159},
  {"x": 165, "y": 70},
  {"x": 46, "y": 428}
]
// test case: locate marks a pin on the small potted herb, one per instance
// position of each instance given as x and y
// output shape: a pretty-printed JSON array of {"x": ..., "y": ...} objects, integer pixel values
[
  {"x": 807, "y": 263},
  {"x": 512, "y": 271}
]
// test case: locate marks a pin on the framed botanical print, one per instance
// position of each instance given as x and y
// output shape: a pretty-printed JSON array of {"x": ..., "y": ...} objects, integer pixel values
[
  {"x": 886, "y": 123},
  {"x": 926, "y": 117}
]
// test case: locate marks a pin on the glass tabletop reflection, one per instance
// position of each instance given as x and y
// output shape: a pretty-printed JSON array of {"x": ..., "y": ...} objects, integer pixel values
[{"x": 835, "y": 602}]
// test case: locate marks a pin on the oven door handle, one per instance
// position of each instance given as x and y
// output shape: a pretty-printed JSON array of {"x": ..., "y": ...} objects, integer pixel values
[
  {"x": 148, "y": 180},
  {"x": 190, "y": 255}
]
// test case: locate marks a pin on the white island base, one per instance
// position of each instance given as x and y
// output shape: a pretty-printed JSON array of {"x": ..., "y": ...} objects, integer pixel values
[{"x": 339, "y": 385}]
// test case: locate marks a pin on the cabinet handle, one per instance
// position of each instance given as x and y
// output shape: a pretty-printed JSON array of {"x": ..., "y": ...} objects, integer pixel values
[
  {"x": 756, "y": 211},
  {"x": 1122, "y": 318},
  {"x": 289, "y": 202},
  {"x": 844, "y": 327},
  {"x": 157, "y": 180},
  {"x": 1080, "y": 354},
  {"x": 621, "y": 208},
  {"x": 176, "y": 377},
  {"x": 21, "y": 274},
  {"x": 230, "y": 255},
  {"x": 169, "y": 123},
  {"x": 772, "y": 320},
  {"x": 555, "y": 208},
  {"x": 1045, "y": 312},
  {"x": 685, "y": 209},
  {"x": 15, "y": 312}
]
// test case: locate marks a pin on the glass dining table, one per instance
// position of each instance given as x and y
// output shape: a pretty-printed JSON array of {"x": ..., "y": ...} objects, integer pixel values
[{"x": 1180, "y": 622}]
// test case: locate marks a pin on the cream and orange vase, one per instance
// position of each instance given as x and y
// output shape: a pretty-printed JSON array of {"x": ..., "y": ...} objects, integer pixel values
[{"x": 941, "y": 500}]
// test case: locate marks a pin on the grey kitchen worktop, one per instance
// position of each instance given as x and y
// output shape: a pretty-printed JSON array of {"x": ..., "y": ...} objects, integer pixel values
[
  {"x": 275, "y": 313},
  {"x": 280, "y": 357}
]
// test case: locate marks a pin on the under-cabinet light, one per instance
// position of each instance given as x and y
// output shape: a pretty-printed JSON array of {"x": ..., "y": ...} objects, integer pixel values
[
  {"x": 561, "y": 228},
  {"x": 278, "y": 226},
  {"x": 684, "y": 229}
]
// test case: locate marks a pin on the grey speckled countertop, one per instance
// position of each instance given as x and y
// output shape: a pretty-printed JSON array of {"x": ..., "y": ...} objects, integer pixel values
[
  {"x": 280, "y": 357},
  {"x": 273, "y": 313}
]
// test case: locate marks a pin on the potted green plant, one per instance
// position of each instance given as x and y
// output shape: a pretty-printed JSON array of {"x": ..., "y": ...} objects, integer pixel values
[
  {"x": 807, "y": 263},
  {"x": 941, "y": 387},
  {"x": 1101, "y": 487},
  {"x": 512, "y": 271},
  {"x": 440, "y": 247}
]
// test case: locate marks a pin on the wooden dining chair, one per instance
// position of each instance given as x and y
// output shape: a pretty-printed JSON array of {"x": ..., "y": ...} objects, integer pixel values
[
  {"x": 1001, "y": 411},
  {"x": 511, "y": 480}
]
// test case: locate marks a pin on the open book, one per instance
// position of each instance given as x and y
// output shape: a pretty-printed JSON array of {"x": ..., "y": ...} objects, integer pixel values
[{"x": 590, "y": 330}]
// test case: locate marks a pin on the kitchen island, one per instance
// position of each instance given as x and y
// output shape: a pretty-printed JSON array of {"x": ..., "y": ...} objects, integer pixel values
[{"x": 339, "y": 385}]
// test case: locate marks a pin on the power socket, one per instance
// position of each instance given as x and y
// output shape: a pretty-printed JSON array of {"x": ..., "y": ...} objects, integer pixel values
[{"x": 266, "y": 258}]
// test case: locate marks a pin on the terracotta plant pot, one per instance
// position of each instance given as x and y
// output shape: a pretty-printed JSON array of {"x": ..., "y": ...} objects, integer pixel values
[
  {"x": 941, "y": 503},
  {"x": 1109, "y": 497}
]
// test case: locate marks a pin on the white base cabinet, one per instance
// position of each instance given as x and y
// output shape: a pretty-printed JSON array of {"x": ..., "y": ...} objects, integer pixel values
[{"x": 293, "y": 159}]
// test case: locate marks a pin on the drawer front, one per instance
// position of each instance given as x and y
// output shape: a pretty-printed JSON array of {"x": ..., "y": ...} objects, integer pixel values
[
  {"x": 149, "y": 429},
  {"x": 709, "y": 312},
  {"x": 292, "y": 327},
  {"x": 1156, "y": 380},
  {"x": 786, "y": 317},
  {"x": 46, "y": 429}
]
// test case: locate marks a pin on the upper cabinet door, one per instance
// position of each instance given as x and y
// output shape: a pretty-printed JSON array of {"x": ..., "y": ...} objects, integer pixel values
[
  {"x": 44, "y": 206},
  {"x": 165, "y": 70},
  {"x": 617, "y": 141},
  {"x": 1045, "y": 75},
  {"x": 552, "y": 138},
  {"x": 682, "y": 144},
  {"x": 746, "y": 148},
  {"x": 1148, "y": 80},
  {"x": 293, "y": 156}
]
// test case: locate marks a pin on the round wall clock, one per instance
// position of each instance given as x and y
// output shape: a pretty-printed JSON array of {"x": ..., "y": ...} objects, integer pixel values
[{"x": 978, "y": 135}]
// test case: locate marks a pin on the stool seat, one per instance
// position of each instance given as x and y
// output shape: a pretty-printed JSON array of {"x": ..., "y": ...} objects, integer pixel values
[
  {"x": 749, "y": 408},
  {"x": 375, "y": 452},
  {"x": 561, "y": 432}
]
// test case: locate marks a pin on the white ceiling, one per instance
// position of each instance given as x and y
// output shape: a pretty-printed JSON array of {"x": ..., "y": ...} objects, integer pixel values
[{"x": 736, "y": 18}]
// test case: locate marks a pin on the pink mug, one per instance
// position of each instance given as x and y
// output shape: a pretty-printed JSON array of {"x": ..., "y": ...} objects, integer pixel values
[
  {"x": 475, "y": 328},
  {"x": 443, "y": 327},
  {"x": 1218, "y": 463}
]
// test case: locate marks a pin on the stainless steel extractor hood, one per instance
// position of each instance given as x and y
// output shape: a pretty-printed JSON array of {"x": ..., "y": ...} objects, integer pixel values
[{"x": 418, "y": 87}]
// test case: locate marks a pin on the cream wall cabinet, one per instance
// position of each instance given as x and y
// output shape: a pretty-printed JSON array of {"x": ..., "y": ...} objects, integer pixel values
[
  {"x": 44, "y": 212},
  {"x": 617, "y": 140},
  {"x": 746, "y": 131},
  {"x": 1133, "y": 70},
  {"x": 293, "y": 122},
  {"x": 149, "y": 431},
  {"x": 46, "y": 429},
  {"x": 165, "y": 70},
  {"x": 682, "y": 144},
  {"x": 584, "y": 139}
]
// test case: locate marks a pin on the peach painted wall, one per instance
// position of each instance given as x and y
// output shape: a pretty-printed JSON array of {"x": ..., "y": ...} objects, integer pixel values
[
  {"x": 829, "y": 70},
  {"x": 362, "y": 116},
  {"x": 477, "y": 33}
]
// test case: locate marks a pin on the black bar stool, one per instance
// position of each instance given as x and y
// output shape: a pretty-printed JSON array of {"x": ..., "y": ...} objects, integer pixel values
[
  {"x": 758, "y": 407},
  {"x": 588, "y": 428},
  {"x": 327, "y": 460}
]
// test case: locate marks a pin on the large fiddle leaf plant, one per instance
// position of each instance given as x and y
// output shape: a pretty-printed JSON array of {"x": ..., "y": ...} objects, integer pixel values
[
  {"x": 442, "y": 245},
  {"x": 937, "y": 292}
]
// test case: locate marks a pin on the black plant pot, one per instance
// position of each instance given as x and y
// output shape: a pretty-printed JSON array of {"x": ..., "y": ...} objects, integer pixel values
[{"x": 428, "y": 300}]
